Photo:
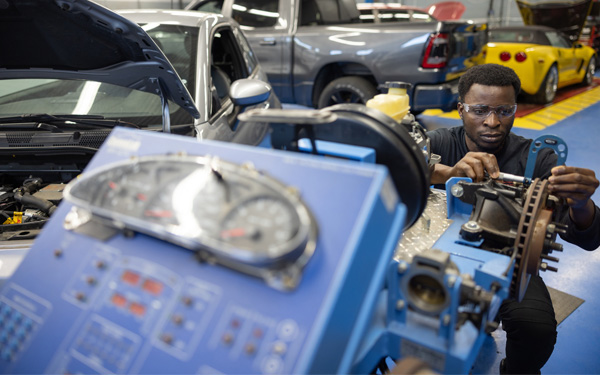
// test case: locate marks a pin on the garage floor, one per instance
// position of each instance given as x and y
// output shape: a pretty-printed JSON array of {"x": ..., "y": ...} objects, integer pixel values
[{"x": 573, "y": 117}]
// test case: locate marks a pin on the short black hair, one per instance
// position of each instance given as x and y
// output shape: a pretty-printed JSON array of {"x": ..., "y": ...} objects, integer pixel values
[{"x": 488, "y": 75}]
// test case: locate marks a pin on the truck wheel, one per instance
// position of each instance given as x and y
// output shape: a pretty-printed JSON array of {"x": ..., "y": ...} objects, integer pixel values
[
  {"x": 347, "y": 90},
  {"x": 547, "y": 90},
  {"x": 588, "y": 79}
]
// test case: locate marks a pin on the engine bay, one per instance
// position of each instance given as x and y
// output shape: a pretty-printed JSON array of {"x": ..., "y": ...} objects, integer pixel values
[{"x": 31, "y": 187}]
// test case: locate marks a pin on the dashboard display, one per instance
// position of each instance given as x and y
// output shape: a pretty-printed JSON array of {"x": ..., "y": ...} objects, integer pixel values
[{"x": 230, "y": 214}]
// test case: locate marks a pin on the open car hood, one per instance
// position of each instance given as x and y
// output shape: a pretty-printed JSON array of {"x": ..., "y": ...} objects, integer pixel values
[
  {"x": 79, "y": 39},
  {"x": 567, "y": 16}
]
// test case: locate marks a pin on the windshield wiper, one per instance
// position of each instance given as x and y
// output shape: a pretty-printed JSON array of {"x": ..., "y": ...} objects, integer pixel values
[
  {"x": 91, "y": 120},
  {"x": 33, "y": 125}
]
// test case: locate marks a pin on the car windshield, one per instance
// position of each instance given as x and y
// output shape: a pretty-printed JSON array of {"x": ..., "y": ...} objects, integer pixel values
[
  {"x": 516, "y": 36},
  {"x": 79, "y": 97}
]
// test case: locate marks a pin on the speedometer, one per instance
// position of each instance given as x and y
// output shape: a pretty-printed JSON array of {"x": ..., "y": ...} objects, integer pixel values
[
  {"x": 230, "y": 214},
  {"x": 263, "y": 225}
]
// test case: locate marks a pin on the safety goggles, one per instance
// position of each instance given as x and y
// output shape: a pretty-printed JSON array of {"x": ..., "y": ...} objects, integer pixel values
[{"x": 483, "y": 111}]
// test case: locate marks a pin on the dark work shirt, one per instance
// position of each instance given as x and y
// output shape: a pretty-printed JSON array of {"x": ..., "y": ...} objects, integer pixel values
[{"x": 450, "y": 144}]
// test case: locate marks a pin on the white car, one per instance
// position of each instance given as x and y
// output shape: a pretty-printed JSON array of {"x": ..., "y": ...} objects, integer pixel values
[{"x": 76, "y": 70}]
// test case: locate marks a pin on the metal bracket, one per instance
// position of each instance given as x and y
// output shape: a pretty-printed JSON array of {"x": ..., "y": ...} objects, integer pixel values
[{"x": 545, "y": 141}]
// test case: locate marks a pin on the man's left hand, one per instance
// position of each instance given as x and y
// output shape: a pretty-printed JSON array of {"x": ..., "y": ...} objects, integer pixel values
[{"x": 576, "y": 185}]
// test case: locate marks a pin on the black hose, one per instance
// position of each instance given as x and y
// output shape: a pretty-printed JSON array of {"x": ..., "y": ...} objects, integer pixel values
[
  {"x": 29, "y": 200},
  {"x": 32, "y": 185}
]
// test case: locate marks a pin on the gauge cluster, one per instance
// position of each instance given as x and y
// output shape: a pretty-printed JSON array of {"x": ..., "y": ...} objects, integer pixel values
[{"x": 230, "y": 214}]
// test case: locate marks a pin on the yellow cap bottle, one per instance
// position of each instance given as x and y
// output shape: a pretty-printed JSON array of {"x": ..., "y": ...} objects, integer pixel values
[{"x": 394, "y": 103}]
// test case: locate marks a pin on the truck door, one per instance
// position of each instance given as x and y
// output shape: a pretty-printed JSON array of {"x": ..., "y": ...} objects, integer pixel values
[{"x": 266, "y": 24}]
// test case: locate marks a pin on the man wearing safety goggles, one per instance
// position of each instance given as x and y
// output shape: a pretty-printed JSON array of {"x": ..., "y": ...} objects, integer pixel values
[{"x": 485, "y": 146}]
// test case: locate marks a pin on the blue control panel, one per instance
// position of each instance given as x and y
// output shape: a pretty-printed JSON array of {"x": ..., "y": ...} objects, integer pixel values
[{"x": 116, "y": 301}]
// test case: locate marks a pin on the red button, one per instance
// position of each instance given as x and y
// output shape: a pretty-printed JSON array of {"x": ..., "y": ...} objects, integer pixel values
[
  {"x": 137, "y": 309},
  {"x": 119, "y": 300},
  {"x": 130, "y": 277},
  {"x": 152, "y": 286}
]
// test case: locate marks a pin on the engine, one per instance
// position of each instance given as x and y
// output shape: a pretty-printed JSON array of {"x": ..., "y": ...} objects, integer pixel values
[{"x": 31, "y": 187}]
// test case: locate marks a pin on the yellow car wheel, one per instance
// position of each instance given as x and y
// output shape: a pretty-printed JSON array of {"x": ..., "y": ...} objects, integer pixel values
[
  {"x": 588, "y": 79},
  {"x": 547, "y": 90}
]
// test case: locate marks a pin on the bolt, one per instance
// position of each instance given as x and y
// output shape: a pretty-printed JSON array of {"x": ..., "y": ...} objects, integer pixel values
[
  {"x": 472, "y": 224},
  {"x": 457, "y": 191},
  {"x": 550, "y": 258},
  {"x": 545, "y": 267},
  {"x": 451, "y": 281},
  {"x": 402, "y": 267},
  {"x": 400, "y": 304},
  {"x": 560, "y": 228},
  {"x": 446, "y": 320},
  {"x": 556, "y": 246}
]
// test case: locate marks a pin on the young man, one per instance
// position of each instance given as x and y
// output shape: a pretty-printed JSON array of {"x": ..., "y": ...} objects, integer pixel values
[{"x": 484, "y": 145}]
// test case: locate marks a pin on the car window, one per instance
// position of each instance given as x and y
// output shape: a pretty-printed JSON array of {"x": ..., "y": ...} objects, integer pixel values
[
  {"x": 511, "y": 36},
  {"x": 394, "y": 15},
  {"x": 227, "y": 66},
  {"x": 310, "y": 15},
  {"x": 247, "y": 52},
  {"x": 256, "y": 13},
  {"x": 179, "y": 44},
  {"x": 558, "y": 40},
  {"x": 326, "y": 12},
  {"x": 518, "y": 36},
  {"x": 210, "y": 6}
]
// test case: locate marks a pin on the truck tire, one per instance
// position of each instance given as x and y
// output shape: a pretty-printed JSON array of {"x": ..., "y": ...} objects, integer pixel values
[
  {"x": 347, "y": 90},
  {"x": 588, "y": 79},
  {"x": 547, "y": 90}
]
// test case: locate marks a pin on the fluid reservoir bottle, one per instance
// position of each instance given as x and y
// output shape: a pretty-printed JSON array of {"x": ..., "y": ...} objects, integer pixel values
[{"x": 394, "y": 103}]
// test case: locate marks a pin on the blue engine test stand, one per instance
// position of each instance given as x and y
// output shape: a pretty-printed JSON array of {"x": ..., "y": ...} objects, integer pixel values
[{"x": 137, "y": 304}]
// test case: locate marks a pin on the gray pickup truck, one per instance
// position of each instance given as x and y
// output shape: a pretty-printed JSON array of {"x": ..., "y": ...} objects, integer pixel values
[{"x": 318, "y": 53}]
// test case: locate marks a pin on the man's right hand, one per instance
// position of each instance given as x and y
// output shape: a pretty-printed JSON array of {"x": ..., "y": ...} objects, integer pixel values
[{"x": 472, "y": 165}]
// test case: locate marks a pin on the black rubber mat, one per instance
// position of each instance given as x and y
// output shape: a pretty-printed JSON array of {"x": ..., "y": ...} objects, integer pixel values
[{"x": 564, "y": 304}]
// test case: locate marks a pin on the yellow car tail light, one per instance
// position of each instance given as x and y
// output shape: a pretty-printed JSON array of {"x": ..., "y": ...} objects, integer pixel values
[{"x": 521, "y": 56}]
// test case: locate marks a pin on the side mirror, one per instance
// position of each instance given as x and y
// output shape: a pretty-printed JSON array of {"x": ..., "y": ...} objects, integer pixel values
[{"x": 246, "y": 92}]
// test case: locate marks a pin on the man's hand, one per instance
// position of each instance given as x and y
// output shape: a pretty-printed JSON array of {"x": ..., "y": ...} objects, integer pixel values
[
  {"x": 472, "y": 165},
  {"x": 576, "y": 185}
]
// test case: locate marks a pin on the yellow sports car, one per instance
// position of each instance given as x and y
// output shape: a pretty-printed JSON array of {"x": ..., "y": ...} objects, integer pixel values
[{"x": 543, "y": 58}]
